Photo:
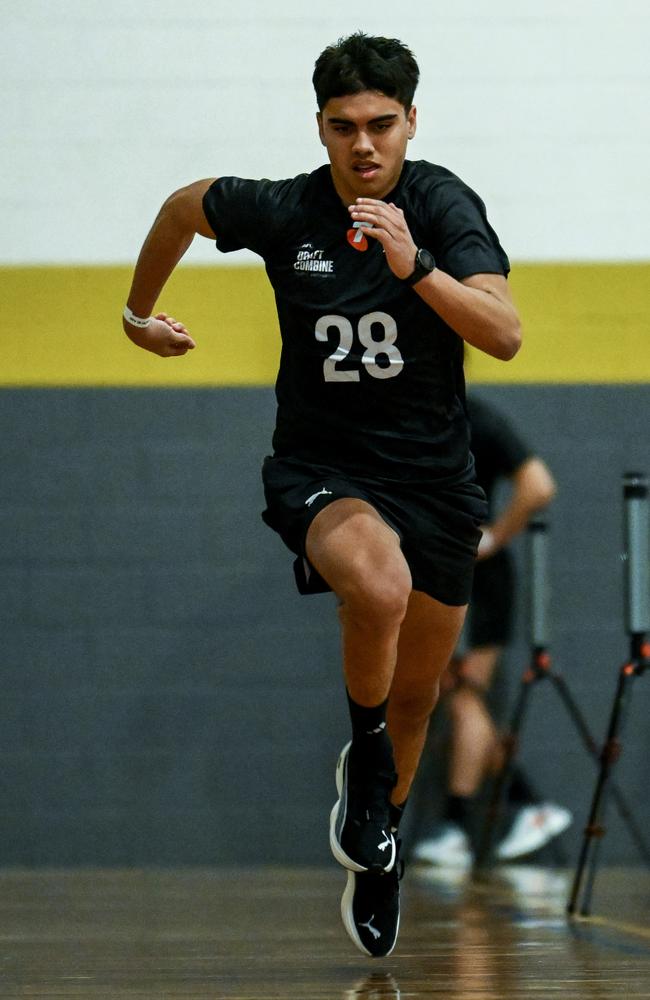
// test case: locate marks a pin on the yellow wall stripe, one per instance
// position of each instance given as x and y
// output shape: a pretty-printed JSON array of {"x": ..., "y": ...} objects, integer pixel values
[{"x": 62, "y": 326}]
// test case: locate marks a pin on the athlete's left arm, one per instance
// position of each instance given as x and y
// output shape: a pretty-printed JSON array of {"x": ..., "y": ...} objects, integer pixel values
[{"x": 479, "y": 308}]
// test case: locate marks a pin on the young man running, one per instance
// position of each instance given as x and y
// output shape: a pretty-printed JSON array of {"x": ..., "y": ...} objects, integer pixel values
[{"x": 381, "y": 268}]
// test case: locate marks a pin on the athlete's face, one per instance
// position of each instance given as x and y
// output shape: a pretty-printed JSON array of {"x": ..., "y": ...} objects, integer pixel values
[{"x": 365, "y": 136}]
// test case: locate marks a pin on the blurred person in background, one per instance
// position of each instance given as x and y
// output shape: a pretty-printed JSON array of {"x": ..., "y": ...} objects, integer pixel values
[{"x": 476, "y": 752}]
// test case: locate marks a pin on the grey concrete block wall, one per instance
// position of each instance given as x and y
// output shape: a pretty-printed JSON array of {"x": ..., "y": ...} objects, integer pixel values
[{"x": 168, "y": 698}]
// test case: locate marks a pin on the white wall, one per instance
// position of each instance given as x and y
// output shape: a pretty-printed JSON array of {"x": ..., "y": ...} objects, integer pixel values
[{"x": 106, "y": 107}]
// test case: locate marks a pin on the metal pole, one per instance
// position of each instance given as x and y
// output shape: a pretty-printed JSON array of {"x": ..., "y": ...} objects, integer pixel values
[
  {"x": 636, "y": 592},
  {"x": 635, "y": 552},
  {"x": 539, "y": 590}
]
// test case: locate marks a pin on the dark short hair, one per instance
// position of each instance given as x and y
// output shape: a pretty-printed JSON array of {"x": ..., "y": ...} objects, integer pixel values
[{"x": 365, "y": 62}]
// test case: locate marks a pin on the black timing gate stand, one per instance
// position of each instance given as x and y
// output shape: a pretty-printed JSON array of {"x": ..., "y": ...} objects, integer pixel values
[
  {"x": 539, "y": 669},
  {"x": 637, "y": 615}
]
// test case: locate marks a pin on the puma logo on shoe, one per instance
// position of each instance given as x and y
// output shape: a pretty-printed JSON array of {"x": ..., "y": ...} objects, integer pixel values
[
  {"x": 311, "y": 499},
  {"x": 387, "y": 843},
  {"x": 373, "y": 930}
]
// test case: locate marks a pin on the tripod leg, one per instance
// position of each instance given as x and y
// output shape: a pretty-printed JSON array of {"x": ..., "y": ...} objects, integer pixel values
[
  {"x": 577, "y": 717},
  {"x": 585, "y": 909},
  {"x": 594, "y": 828}
]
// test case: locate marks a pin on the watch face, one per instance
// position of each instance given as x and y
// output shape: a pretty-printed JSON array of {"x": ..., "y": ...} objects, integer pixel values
[{"x": 425, "y": 259}]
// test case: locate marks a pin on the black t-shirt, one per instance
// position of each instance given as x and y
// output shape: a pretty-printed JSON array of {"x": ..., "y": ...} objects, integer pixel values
[
  {"x": 370, "y": 379},
  {"x": 497, "y": 446}
]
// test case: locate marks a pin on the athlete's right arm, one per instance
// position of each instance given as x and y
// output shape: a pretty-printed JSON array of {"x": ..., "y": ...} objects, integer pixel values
[{"x": 178, "y": 221}]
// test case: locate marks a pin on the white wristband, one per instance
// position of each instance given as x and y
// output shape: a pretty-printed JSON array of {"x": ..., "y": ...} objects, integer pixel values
[{"x": 134, "y": 320}]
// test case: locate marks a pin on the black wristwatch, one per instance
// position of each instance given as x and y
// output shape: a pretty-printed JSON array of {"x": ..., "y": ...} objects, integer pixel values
[{"x": 424, "y": 264}]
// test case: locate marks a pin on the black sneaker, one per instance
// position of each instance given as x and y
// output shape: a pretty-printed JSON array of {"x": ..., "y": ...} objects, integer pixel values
[
  {"x": 360, "y": 836},
  {"x": 370, "y": 909}
]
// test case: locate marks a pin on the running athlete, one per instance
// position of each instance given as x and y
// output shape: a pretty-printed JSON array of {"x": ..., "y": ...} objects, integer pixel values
[{"x": 381, "y": 268}]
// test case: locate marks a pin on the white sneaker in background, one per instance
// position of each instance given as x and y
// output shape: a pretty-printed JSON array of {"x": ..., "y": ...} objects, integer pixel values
[
  {"x": 532, "y": 828},
  {"x": 450, "y": 847}
]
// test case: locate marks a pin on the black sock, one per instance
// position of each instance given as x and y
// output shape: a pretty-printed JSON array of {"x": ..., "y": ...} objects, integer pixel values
[
  {"x": 458, "y": 809},
  {"x": 367, "y": 721},
  {"x": 370, "y": 740},
  {"x": 519, "y": 791}
]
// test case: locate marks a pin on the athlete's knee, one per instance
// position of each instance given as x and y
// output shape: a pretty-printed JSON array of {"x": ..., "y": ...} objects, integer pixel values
[{"x": 377, "y": 600}]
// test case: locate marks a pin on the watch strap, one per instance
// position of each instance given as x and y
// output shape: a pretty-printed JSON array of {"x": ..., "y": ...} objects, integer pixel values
[{"x": 421, "y": 268}]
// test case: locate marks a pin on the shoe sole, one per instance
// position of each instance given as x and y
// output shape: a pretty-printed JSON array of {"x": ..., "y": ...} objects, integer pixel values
[
  {"x": 337, "y": 821},
  {"x": 348, "y": 921}
]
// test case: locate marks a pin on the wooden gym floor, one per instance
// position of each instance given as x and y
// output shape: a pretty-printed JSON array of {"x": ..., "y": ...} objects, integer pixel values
[{"x": 275, "y": 933}]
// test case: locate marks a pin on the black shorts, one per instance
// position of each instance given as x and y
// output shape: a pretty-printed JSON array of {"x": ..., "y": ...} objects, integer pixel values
[
  {"x": 490, "y": 617},
  {"x": 438, "y": 528}
]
